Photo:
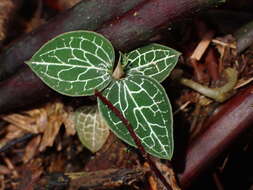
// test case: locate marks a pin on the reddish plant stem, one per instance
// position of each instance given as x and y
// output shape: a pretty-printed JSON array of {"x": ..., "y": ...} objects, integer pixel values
[{"x": 135, "y": 138}]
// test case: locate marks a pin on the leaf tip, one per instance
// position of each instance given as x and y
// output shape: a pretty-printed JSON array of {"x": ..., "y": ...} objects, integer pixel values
[{"x": 29, "y": 62}]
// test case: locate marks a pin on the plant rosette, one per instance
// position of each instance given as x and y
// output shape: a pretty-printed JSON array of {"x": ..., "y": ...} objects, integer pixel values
[{"x": 78, "y": 63}]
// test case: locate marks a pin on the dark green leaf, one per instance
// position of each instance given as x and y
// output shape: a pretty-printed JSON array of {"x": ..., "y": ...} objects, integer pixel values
[
  {"x": 75, "y": 63},
  {"x": 154, "y": 60},
  {"x": 143, "y": 101}
]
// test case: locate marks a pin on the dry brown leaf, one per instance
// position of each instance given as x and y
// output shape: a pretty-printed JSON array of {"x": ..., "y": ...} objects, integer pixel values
[
  {"x": 31, "y": 149},
  {"x": 68, "y": 121},
  {"x": 46, "y": 120},
  {"x": 50, "y": 133},
  {"x": 12, "y": 132},
  {"x": 23, "y": 122},
  {"x": 55, "y": 120}
]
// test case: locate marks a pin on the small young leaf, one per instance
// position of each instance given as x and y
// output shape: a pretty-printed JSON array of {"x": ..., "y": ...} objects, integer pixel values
[
  {"x": 75, "y": 63},
  {"x": 91, "y": 128},
  {"x": 154, "y": 60},
  {"x": 143, "y": 101}
]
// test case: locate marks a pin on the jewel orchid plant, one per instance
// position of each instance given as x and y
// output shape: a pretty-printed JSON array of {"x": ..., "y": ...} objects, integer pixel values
[{"x": 78, "y": 63}]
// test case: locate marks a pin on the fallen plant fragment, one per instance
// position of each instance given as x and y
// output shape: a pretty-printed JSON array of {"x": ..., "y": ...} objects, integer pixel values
[
  {"x": 218, "y": 94},
  {"x": 202, "y": 46},
  {"x": 46, "y": 120}
]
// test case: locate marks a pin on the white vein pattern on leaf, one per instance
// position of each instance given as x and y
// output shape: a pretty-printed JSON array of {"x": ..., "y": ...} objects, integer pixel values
[
  {"x": 90, "y": 65},
  {"x": 100, "y": 46},
  {"x": 87, "y": 125},
  {"x": 104, "y": 77},
  {"x": 139, "y": 108},
  {"x": 127, "y": 93},
  {"x": 81, "y": 41},
  {"x": 116, "y": 104},
  {"x": 140, "y": 54},
  {"x": 101, "y": 69},
  {"x": 145, "y": 67},
  {"x": 74, "y": 57},
  {"x": 154, "y": 61},
  {"x": 95, "y": 126}
]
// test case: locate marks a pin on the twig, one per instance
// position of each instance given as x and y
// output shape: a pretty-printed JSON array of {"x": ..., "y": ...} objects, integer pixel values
[
  {"x": 135, "y": 138},
  {"x": 202, "y": 46},
  {"x": 105, "y": 179}
]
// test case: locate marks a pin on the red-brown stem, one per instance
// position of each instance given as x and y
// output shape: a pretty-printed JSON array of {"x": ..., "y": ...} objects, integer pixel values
[
  {"x": 135, "y": 138},
  {"x": 222, "y": 129}
]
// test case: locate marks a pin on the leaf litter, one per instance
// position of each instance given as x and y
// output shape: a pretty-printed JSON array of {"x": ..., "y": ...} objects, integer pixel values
[{"x": 34, "y": 121}]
